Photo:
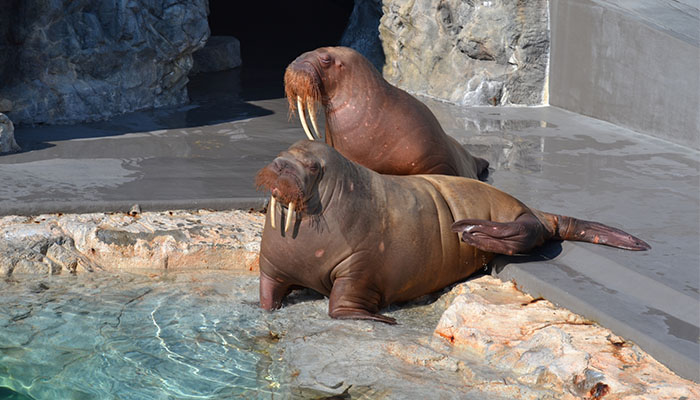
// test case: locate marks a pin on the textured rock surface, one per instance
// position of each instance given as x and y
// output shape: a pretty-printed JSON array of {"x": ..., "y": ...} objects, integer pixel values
[
  {"x": 7, "y": 135},
  {"x": 362, "y": 32},
  {"x": 491, "y": 341},
  {"x": 547, "y": 346},
  {"x": 219, "y": 54},
  {"x": 84, "y": 60},
  {"x": 122, "y": 242},
  {"x": 468, "y": 52}
]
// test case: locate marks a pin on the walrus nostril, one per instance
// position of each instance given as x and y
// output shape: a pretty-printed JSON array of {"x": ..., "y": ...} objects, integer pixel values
[{"x": 280, "y": 165}]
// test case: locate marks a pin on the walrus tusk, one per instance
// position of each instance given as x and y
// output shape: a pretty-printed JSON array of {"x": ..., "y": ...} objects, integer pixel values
[
  {"x": 288, "y": 222},
  {"x": 302, "y": 117},
  {"x": 312, "y": 114},
  {"x": 272, "y": 210}
]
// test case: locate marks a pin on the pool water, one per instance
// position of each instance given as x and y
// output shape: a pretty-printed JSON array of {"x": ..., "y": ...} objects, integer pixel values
[
  {"x": 135, "y": 337},
  {"x": 8, "y": 394}
]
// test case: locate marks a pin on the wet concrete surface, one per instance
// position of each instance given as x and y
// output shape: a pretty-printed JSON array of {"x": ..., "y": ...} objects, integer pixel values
[{"x": 206, "y": 155}]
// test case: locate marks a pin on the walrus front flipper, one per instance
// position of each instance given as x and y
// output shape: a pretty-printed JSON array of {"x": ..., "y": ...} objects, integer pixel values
[
  {"x": 272, "y": 292},
  {"x": 509, "y": 238},
  {"x": 569, "y": 228},
  {"x": 348, "y": 300}
]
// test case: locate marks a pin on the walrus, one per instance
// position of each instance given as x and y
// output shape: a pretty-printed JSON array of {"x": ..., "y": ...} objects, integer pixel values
[
  {"x": 367, "y": 240},
  {"x": 370, "y": 121}
]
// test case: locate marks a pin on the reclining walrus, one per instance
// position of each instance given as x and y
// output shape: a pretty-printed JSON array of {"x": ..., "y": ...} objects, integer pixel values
[
  {"x": 367, "y": 240},
  {"x": 369, "y": 121}
]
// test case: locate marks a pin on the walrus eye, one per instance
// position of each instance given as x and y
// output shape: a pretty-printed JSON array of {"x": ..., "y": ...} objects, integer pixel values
[
  {"x": 314, "y": 168},
  {"x": 325, "y": 59}
]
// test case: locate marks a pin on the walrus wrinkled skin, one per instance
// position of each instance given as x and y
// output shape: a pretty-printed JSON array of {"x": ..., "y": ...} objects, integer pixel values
[
  {"x": 370, "y": 121},
  {"x": 367, "y": 240}
]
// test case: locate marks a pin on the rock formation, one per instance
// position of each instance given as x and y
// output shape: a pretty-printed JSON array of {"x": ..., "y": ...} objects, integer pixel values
[
  {"x": 551, "y": 348},
  {"x": 71, "y": 61},
  {"x": 219, "y": 54},
  {"x": 136, "y": 241},
  {"x": 7, "y": 135},
  {"x": 468, "y": 52},
  {"x": 362, "y": 32}
]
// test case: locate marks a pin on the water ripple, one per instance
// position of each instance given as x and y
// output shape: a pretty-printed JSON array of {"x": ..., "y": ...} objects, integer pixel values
[{"x": 132, "y": 338}]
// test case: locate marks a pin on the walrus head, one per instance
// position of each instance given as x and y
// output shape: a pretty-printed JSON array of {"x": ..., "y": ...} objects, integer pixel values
[
  {"x": 292, "y": 177},
  {"x": 314, "y": 77}
]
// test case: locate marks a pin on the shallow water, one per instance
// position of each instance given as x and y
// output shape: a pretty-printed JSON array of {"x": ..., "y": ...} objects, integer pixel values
[
  {"x": 131, "y": 337},
  {"x": 203, "y": 336}
]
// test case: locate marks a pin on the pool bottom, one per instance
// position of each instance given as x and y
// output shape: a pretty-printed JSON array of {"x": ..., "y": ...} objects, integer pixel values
[{"x": 134, "y": 337}]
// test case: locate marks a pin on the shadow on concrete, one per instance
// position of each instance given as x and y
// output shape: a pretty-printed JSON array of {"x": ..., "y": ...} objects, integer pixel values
[
  {"x": 215, "y": 98},
  {"x": 547, "y": 252}
]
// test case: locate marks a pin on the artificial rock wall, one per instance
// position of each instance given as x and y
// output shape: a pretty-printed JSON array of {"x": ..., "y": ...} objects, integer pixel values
[
  {"x": 468, "y": 52},
  {"x": 66, "y": 61},
  {"x": 76, "y": 60}
]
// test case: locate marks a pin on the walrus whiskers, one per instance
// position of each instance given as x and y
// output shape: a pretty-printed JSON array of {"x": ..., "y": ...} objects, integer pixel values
[
  {"x": 311, "y": 105},
  {"x": 272, "y": 214},
  {"x": 288, "y": 222},
  {"x": 302, "y": 118}
]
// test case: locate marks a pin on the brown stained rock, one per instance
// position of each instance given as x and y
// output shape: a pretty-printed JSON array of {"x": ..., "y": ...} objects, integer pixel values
[
  {"x": 170, "y": 240},
  {"x": 143, "y": 242},
  {"x": 552, "y": 348}
]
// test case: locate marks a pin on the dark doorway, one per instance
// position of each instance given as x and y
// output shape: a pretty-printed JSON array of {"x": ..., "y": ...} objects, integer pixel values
[{"x": 273, "y": 33}]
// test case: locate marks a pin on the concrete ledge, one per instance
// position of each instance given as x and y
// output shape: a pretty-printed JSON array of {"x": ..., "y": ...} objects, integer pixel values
[
  {"x": 610, "y": 62},
  {"x": 79, "y": 207},
  {"x": 661, "y": 320}
]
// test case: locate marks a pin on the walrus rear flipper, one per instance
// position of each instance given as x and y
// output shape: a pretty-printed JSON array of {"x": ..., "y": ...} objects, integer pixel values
[
  {"x": 527, "y": 232},
  {"x": 272, "y": 292},
  {"x": 518, "y": 236},
  {"x": 569, "y": 228}
]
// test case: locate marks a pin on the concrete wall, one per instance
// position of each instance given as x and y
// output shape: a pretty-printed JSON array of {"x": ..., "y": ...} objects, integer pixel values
[{"x": 629, "y": 63}]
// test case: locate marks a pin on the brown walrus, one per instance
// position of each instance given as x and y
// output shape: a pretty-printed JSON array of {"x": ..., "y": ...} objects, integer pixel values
[
  {"x": 370, "y": 121},
  {"x": 367, "y": 240}
]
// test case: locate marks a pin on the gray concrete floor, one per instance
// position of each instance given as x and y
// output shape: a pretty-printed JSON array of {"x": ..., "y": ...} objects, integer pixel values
[{"x": 206, "y": 154}]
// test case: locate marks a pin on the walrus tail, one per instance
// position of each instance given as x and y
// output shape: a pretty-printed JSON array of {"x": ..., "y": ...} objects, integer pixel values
[{"x": 569, "y": 228}]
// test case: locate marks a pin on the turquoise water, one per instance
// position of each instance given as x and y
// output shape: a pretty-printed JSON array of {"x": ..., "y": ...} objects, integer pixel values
[
  {"x": 7, "y": 394},
  {"x": 108, "y": 337}
]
